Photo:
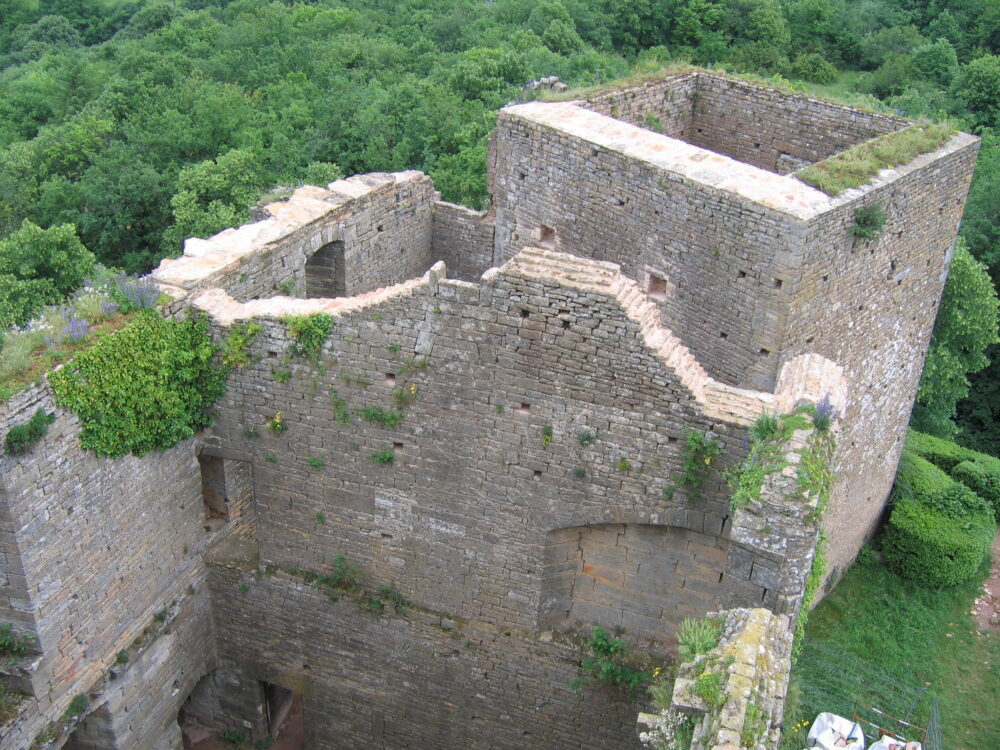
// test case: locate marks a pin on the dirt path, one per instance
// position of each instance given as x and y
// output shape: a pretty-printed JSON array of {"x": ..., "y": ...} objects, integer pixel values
[{"x": 986, "y": 610}]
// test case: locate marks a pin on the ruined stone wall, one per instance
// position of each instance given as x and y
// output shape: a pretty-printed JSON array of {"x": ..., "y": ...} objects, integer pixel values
[
  {"x": 754, "y": 268},
  {"x": 463, "y": 239},
  {"x": 870, "y": 305},
  {"x": 384, "y": 221},
  {"x": 422, "y": 679},
  {"x": 490, "y": 367},
  {"x": 753, "y": 658},
  {"x": 665, "y": 105},
  {"x": 776, "y": 130},
  {"x": 477, "y": 487},
  {"x": 613, "y": 192},
  {"x": 102, "y": 547}
]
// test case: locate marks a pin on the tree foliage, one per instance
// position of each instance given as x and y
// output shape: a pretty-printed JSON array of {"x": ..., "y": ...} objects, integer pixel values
[{"x": 966, "y": 325}]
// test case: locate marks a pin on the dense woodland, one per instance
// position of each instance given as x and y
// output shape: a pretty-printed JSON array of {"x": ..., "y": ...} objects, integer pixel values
[{"x": 126, "y": 126}]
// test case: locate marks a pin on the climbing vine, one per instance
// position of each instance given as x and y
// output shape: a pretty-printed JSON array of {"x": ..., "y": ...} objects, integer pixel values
[{"x": 145, "y": 387}]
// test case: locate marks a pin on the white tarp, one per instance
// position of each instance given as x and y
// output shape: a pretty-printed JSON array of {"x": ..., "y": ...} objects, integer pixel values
[
  {"x": 832, "y": 732},
  {"x": 887, "y": 742}
]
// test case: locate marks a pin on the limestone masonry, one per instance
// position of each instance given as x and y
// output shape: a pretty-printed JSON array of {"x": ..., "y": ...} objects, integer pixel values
[{"x": 650, "y": 269}]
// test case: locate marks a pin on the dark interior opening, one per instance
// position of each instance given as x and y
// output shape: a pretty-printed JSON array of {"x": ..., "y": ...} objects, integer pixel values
[
  {"x": 213, "y": 489},
  {"x": 325, "y": 273}
]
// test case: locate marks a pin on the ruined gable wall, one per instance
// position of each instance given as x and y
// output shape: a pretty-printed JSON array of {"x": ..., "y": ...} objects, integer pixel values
[
  {"x": 472, "y": 492},
  {"x": 462, "y": 521},
  {"x": 104, "y": 545},
  {"x": 725, "y": 258},
  {"x": 870, "y": 305}
]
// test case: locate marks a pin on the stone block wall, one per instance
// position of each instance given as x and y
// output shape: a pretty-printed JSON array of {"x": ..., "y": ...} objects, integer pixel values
[
  {"x": 463, "y": 239},
  {"x": 663, "y": 210},
  {"x": 665, "y": 105},
  {"x": 384, "y": 221},
  {"x": 870, "y": 306},
  {"x": 95, "y": 549},
  {"x": 771, "y": 129},
  {"x": 777, "y": 130}
]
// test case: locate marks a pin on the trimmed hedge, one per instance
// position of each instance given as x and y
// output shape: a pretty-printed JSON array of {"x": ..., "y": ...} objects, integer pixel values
[
  {"x": 982, "y": 479},
  {"x": 942, "y": 453},
  {"x": 918, "y": 477},
  {"x": 939, "y": 531},
  {"x": 980, "y": 472}
]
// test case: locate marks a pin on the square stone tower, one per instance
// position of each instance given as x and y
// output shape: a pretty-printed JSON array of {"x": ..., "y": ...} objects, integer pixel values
[{"x": 689, "y": 183}]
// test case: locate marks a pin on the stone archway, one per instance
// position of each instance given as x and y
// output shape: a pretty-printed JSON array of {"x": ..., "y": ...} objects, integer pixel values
[{"x": 325, "y": 272}]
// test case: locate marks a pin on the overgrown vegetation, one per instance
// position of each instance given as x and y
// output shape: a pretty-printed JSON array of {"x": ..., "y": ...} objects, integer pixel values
[
  {"x": 309, "y": 333},
  {"x": 20, "y": 438},
  {"x": 858, "y": 164},
  {"x": 607, "y": 663},
  {"x": 698, "y": 636},
  {"x": 144, "y": 387}
]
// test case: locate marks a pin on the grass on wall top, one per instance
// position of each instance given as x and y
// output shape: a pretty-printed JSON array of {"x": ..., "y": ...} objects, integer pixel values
[{"x": 857, "y": 165}]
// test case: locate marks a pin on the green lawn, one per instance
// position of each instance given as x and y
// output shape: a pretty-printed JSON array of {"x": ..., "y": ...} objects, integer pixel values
[{"x": 925, "y": 637}]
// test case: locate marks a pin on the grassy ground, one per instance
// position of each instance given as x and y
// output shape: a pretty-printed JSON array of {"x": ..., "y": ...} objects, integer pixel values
[{"x": 925, "y": 636}]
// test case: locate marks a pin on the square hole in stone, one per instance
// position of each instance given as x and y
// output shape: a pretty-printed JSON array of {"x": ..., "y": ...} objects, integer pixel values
[{"x": 657, "y": 287}]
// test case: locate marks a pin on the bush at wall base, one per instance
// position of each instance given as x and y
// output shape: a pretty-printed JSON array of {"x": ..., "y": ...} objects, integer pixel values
[{"x": 938, "y": 538}]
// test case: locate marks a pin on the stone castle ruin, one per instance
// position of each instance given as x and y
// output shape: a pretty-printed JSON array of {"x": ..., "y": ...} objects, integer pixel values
[{"x": 551, "y": 359}]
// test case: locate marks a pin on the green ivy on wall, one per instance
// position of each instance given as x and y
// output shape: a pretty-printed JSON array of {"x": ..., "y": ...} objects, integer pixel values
[{"x": 145, "y": 387}]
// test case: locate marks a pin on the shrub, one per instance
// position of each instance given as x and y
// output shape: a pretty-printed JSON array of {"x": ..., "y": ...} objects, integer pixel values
[
  {"x": 942, "y": 453},
  {"x": 815, "y": 68},
  {"x": 868, "y": 221},
  {"x": 309, "y": 333},
  {"x": 928, "y": 546},
  {"x": 11, "y": 644},
  {"x": 20, "y": 438},
  {"x": 76, "y": 707},
  {"x": 917, "y": 477},
  {"x": 383, "y": 456},
  {"x": 708, "y": 687},
  {"x": 606, "y": 663},
  {"x": 983, "y": 479},
  {"x": 388, "y": 419},
  {"x": 145, "y": 387}
]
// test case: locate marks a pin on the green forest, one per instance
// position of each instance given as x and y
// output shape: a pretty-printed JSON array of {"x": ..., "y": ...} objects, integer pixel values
[{"x": 129, "y": 125}]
